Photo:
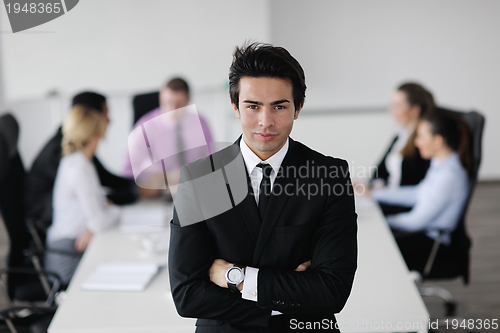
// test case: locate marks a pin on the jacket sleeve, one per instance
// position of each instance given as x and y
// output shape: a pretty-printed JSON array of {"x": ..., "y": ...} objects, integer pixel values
[
  {"x": 192, "y": 252},
  {"x": 326, "y": 286},
  {"x": 381, "y": 171}
]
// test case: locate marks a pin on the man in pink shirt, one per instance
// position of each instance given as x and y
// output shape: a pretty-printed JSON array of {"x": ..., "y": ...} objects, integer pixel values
[{"x": 177, "y": 129}]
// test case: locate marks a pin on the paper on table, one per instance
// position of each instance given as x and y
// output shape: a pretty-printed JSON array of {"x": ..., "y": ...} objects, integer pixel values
[
  {"x": 364, "y": 203},
  {"x": 143, "y": 219},
  {"x": 121, "y": 276}
]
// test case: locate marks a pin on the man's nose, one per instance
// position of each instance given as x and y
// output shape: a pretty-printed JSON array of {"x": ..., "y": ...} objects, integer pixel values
[{"x": 266, "y": 118}]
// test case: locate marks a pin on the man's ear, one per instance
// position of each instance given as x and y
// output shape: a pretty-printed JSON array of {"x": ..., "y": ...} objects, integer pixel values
[{"x": 236, "y": 111}]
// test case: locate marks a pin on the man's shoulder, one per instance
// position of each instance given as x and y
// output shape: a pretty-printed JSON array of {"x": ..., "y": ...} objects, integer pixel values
[
  {"x": 320, "y": 159},
  {"x": 212, "y": 162},
  {"x": 50, "y": 155},
  {"x": 147, "y": 116}
]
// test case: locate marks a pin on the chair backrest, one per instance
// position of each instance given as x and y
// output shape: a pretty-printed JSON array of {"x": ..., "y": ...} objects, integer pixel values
[
  {"x": 144, "y": 103},
  {"x": 9, "y": 133},
  {"x": 11, "y": 190},
  {"x": 475, "y": 121},
  {"x": 460, "y": 240}
]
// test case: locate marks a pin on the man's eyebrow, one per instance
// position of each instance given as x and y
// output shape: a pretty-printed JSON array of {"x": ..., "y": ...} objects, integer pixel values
[
  {"x": 272, "y": 103},
  {"x": 280, "y": 101},
  {"x": 253, "y": 102}
]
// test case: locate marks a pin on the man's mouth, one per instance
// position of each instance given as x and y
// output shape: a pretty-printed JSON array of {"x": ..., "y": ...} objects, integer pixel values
[{"x": 266, "y": 136}]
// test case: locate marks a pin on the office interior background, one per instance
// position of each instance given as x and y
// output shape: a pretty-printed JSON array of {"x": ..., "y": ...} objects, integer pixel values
[{"x": 354, "y": 54}]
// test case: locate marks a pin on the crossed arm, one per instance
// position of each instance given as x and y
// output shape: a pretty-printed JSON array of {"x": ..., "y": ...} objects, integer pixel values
[{"x": 219, "y": 268}]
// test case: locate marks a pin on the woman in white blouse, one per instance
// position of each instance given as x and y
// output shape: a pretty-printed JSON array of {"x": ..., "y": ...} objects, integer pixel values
[
  {"x": 438, "y": 200},
  {"x": 402, "y": 163},
  {"x": 80, "y": 207}
]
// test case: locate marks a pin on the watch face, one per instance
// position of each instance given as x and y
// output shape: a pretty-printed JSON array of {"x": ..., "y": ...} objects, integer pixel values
[{"x": 234, "y": 275}]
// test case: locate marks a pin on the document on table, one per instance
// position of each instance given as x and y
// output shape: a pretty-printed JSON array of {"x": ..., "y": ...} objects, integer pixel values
[
  {"x": 121, "y": 276},
  {"x": 364, "y": 203},
  {"x": 143, "y": 219}
]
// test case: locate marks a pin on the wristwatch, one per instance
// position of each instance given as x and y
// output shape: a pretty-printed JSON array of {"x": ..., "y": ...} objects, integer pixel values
[{"x": 234, "y": 276}]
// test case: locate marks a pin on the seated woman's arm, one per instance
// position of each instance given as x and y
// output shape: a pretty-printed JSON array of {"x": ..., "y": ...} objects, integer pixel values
[
  {"x": 403, "y": 196},
  {"x": 432, "y": 200},
  {"x": 98, "y": 213}
]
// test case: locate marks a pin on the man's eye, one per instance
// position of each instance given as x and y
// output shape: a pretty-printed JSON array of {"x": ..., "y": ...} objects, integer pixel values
[
  {"x": 253, "y": 107},
  {"x": 280, "y": 107}
]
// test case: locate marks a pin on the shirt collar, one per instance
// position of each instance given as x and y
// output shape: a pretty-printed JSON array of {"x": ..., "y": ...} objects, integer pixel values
[
  {"x": 405, "y": 131},
  {"x": 435, "y": 162},
  {"x": 251, "y": 159}
]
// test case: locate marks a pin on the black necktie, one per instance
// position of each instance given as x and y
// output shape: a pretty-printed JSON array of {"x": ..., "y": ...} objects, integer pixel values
[
  {"x": 180, "y": 145},
  {"x": 265, "y": 187}
]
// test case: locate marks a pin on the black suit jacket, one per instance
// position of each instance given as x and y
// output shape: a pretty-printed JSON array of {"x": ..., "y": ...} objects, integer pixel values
[
  {"x": 321, "y": 228},
  {"x": 413, "y": 168},
  {"x": 40, "y": 182}
]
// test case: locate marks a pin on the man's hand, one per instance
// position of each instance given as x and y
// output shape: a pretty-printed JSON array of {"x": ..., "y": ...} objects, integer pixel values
[
  {"x": 219, "y": 268},
  {"x": 218, "y": 272},
  {"x": 303, "y": 267},
  {"x": 83, "y": 240}
]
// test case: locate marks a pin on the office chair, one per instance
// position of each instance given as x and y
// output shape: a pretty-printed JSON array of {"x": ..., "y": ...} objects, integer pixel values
[
  {"x": 453, "y": 262},
  {"x": 23, "y": 282},
  {"x": 143, "y": 103}
]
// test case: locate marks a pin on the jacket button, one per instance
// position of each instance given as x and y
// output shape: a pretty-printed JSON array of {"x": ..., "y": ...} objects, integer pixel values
[
  {"x": 291, "y": 303},
  {"x": 276, "y": 302},
  {"x": 282, "y": 302},
  {"x": 297, "y": 303}
]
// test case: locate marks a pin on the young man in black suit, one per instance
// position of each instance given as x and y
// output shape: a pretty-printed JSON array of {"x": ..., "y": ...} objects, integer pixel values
[{"x": 270, "y": 260}]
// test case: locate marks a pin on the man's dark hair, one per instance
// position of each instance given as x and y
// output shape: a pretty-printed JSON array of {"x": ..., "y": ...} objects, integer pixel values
[
  {"x": 178, "y": 84},
  {"x": 265, "y": 60},
  {"x": 90, "y": 99}
]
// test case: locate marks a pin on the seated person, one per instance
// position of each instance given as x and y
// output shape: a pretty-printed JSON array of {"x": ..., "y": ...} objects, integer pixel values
[
  {"x": 438, "y": 200},
  {"x": 174, "y": 96},
  {"x": 402, "y": 164},
  {"x": 80, "y": 206},
  {"x": 40, "y": 179}
]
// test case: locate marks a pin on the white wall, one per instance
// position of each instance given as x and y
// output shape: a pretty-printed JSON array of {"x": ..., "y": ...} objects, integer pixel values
[
  {"x": 355, "y": 53},
  {"x": 126, "y": 45},
  {"x": 2, "y": 99}
]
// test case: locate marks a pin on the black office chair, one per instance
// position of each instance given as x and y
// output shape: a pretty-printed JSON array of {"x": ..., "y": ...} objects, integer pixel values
[
  {"x": 143, "y": 103},
  {"x": 453, "y": 261},
  {"x": 24, "y": 283}
]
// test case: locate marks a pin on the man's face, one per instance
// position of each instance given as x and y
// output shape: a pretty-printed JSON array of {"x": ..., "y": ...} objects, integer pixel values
[
  {"x": 172, "y": 100},
  {"x": 267, "y": 112}
]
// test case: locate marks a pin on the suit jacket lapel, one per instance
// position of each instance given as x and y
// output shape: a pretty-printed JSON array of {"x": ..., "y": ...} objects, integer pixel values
[
  {"x": 248, "y": 207},
  {"x": 277, "y": 201}
]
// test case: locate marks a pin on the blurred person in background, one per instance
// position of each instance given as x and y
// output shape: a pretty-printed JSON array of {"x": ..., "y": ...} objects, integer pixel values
[
  {"x": 180, "y": 126},
  {"x": 402, "y": 163},
  {"x": 437, "y": 201},
  {"x": 39, "y": 182},
  {"x": 79, "y": 204}
]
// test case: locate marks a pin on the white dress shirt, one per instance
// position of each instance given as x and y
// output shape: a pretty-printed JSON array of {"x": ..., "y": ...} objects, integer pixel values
[
  {"x": 78, "y": 201},
  {"x": 437, "y": 200},
  {"x": 394, "y": 160},
  {"x": 249, "y": 291}
]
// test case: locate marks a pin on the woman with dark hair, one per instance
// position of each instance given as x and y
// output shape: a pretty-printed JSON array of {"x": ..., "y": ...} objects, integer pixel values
[
  {"x": 402, "y": 164},
  {"x": 437, "y": 201}
]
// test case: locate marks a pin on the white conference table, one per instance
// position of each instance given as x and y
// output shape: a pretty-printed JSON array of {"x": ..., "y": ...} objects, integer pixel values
[{"x": 383, "y": 298}]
